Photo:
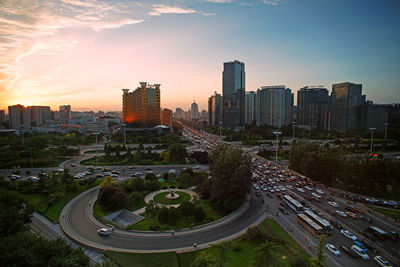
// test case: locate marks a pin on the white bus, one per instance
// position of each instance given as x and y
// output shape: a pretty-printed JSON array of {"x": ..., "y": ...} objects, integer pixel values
[
  {"x": 293, "y": 203},
  {"x": 326, "y": 226}
]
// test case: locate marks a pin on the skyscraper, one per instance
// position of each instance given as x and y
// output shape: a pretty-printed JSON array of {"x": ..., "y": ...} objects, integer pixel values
[
  {"x": 215, "y": 109},
  {"x": 38, "y": 114},
  {"x": 166, "y": 117},
  {"x": 2, "y": 115},
  {"x": 250, "y": 107},
  {"x": 65, "y": 112},
  {"x": 312, "y": 106},
  {"x": 274, "y": 106},
  {"x": 195, "y": 111},
  {"x": 142, "y": 106},
  {"x": 18, "y": 117},
  {"x": 233, "y": 94},
  {"x": 345, "y": 98}
]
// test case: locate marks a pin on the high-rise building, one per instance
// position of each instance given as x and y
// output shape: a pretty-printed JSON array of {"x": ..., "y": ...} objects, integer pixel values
[
  {"x": 65, "y": 112},
  {"x": 274, "y": 106},
  {"x": 233, "y": 94},
  {"x": 18, "y": 117},
  {"x": 312, "y": 106},
  {"x": 2, "y": 115},
  {"x": 204, "y": 115},
  {"x": 215, "y": 109},
  {"x": 142, "y": 106},
  {"x": 345, "y": 98},
  {"x": 195, "y": 111},
  {"x": 39, "y": 115},
  {"x": 250, "y": 107},
  {"x": 166, "y": 117},
  {"x": 371, "y": 116}
]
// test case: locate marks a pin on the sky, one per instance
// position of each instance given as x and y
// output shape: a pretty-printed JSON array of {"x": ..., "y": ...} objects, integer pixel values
[{"x": 83, "y": 52}]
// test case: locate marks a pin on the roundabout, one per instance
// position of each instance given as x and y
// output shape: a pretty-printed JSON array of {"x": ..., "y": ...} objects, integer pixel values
[{"x": 78, "y": 222}]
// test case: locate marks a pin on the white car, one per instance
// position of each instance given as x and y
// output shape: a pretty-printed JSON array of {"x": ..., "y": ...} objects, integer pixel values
[
  {"x": 316, "y": 195},
  {"x": 300, "y": 189},
  {"x": 138, "y": 174},
  {"x": 33, "y": 178},
  {"x": 319, "y": 191},
  {"x": 360, "y": 252},
  {"x": 333, "y": 204},
  {"x": 382, "y": 262},
  {"x": 104, "y": 231},
  {"x": 348, "y": 234},
  {"x": 282, "y": 188},
  {"x": 289, "y": 186},
  {"x": 332, "y": 249},
  {"x": 308, "y": 188}
]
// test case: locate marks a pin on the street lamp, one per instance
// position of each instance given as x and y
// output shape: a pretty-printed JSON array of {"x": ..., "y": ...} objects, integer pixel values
[
  {"x": 22, "y": 133},
  {"x": 277, "y": 145},
  {"x": 372, "y": 137},
  {"x": 294, "y": 125}
]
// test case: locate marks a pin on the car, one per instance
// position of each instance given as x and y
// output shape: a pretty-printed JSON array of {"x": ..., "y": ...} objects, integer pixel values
[
  {"x": 300, "y": 189},
  {"x": 264, "y": 189},
  {"x": 351, "y": 214},
  {"x": 104, "y": 231},
  {"x": 360, "y": 245},
  {"x": 359, "y": 252},
  {"x": 289, "y": 186},
  {"x": 319, "y": 191},
  {"x": 332, "y": 249},
  {"x": 138, "y": 174},
  {"x": 107, "y": 173},
  {"x": 350, "y": 252},
  {"x": 394, "y": 235},
  {"x": 336, "y": 224},
  {"x": 382, "y": 262},
  {"x": 149, "y": 172},
  {"x": 258, "y": 193},
  {"x": 348, "y": 234},
  {"x": 131, "y": 167},
  {"x": 73, "y": 165},
  {"x": 341, "y": 213},
  {"x": 115, "y": 172},
  {"x": 271, "y": 190},
  {"x": 333, "y": 204},
  {"x": 315, "y": 195},
  {"x": 99, "y": 175},
  {"x": 114, "y": 175},
  {"x": 309, "y": 188}
]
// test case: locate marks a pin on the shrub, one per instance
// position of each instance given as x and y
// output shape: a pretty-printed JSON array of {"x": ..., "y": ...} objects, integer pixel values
[
  {"x": 163, "y": 215},
  {"x": 254, "y": 234},
  {"x": 164, "y": 187},
  {"x": 173, "y": 216},
  {"x": 199, "y": 214},
  {"x": 154, "y": 227},
  {"x": 235, "y": 246},
  {"x": 187, "y": 208},
  {"x": 172, "y": 186}
]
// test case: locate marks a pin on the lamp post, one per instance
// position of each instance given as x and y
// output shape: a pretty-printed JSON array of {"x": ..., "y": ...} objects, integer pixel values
[
  {"x": 22, "y": 133},
  {"x": 386, "y": 125},
  {"x": 294, "y": 126},
  {"x": 276, "y": 154},
  {"x": 372, "y": 138}
]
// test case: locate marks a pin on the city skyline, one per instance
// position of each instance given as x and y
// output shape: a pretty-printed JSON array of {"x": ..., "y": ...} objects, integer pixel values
[{"x": 66, "y": 52}]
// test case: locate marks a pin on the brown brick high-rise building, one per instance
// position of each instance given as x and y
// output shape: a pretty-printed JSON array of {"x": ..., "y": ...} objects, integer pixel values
[
  {"x": 166, "y": 117},
  {"x": 142, "y": 106}
]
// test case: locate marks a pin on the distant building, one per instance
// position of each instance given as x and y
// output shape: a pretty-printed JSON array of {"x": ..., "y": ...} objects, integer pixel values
[
  {"x": 204, "y": 115},
  {"x": 195, "y": 111},
  {"x": 38, "y": 115},
  {"x": 65, "y": 112},
  {"x": 166, "y": 117},
  {"x": 312, "y": 106},
  {"x": 371, "y": 116},
  {"x": 392, "y": 115},
  {"x": 179, "y": 113},
  {"x": 215, "y": 109},
  {"x": 18, "y": 117},
  {"x": 142, "y": 106},
  {"x": 233, "y": 94},
  {"x": 2, "y": 115},
  {"x": 274, "y": 106},
  {"x": 250, "y": 107},
  {"x": 345, "y": 97},
  {"x": 97, "y": 126}
]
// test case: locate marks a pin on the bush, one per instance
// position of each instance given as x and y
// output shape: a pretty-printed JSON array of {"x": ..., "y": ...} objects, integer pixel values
[
  {"x": 164, "y": 187},
  {"x": 187, "y": 208},
  {"x": 235, "y": 246},
  {"x": 163, "y": 215},
  {"x": 254, "y": 234},
  {"x": 154, "y": 227},
  {"x": 172, "y": 186},
  {"x": 199, "y": 214},
  {"x": 173, "y": 216}
]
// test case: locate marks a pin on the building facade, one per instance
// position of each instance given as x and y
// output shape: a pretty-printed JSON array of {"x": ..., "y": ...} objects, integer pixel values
[
  {"x": 166, "y": 117},
  {"x": 215, "y": 109},
  {"x": 345, "y": 98},
  {"x": 233, "y": 94},
  {"x": 2, "y": 115},
  {"x": 194, "y": 109},
  {"x": 142, "y": 106},
  {"x": 312, "y": 106},
  {"x": 65, "y": 112},
  {"x": 371, "y": 116},
  {"x": 250, "y": 107},
  {"x": 274, "y": 106}
]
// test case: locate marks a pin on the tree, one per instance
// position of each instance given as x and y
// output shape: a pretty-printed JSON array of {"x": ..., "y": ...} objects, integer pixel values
[
  {"x": 254, "y": 234},
  {"x": 151, "y": 207},
  {"x": 264, "y": 255},
  {"x": 230, "y": 171},
  {"x": 199, "y": 214},
  {"x": 320, "y": 258},
  {"x": 187, "y": 208},
  {"x": 163, "y": 215},
  {"x": 173, "y": 216},
  {"x": 204, "y": 259},
  {"x": 177, "y": 152},
  {"x": 107, "y": 181},
  {"x": 117, "y": 200}
]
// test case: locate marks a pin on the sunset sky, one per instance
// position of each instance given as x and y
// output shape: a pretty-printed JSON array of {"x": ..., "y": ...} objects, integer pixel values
[{"x": 84, "y": 52}]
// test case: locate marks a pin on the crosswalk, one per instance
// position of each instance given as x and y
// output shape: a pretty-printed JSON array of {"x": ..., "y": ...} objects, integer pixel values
[{"x": 55, "y": 228}]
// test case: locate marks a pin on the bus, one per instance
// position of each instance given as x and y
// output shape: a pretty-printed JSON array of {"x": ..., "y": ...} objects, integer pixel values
[
  {"x": 325, "y": 225},
  {"x": 377, "y": 232},
  {"x": 309, "y": 225},
  {"x": 293, "y": 203}
]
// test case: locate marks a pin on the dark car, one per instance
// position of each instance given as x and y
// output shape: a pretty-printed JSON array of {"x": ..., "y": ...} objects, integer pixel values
[
  {"x": 366, "y": 218},
  {"x": 331, "y": 199},
  {"x": 393, "y": 236},
  {"x": 336, "y": 224},
  {"x": 370, "y": 245},
  {"x": 348, "y": 251}
]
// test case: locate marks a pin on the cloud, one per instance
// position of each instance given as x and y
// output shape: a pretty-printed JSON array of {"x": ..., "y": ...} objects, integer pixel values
[
  {"x": 220, "y": 1},
  {"x": 273, "y": 2},
  {"x": 159, "y": 9}
]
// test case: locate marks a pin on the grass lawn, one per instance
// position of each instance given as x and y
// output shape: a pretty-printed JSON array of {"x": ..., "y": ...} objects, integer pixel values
[
  {"x": 389, "y": 213},
  {"x": 162, "y": 198},
  {"x": 239, "y": 258}
]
